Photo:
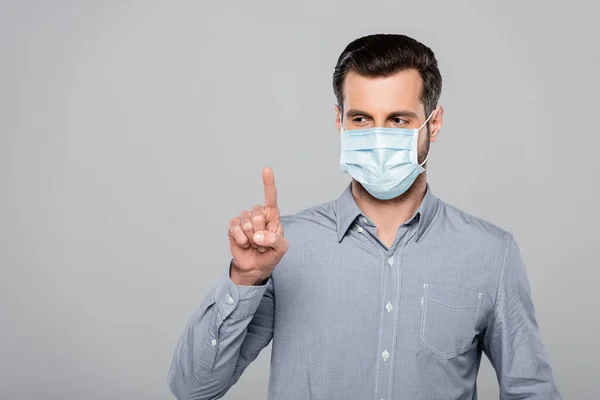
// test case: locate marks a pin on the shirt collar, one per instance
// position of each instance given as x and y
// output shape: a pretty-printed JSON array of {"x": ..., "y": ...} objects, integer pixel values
[{"x": 347, "y": 210}]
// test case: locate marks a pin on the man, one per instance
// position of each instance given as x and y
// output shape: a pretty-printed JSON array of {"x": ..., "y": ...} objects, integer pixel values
[{"x": 386, "y": 292}]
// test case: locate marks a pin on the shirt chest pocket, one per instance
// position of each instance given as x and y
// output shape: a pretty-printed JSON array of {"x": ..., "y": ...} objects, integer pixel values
[{"x": 448, "y": 318}]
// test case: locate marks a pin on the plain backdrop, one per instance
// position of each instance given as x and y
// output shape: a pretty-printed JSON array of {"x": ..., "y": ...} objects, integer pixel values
[{"x": 130, "y": 132}]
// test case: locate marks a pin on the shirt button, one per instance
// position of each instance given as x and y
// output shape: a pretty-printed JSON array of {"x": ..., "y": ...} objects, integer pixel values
[
  {"x": 385, "y": 354},
  {"x": 388, "y": 306},
  {"x": 364, "y": 220},
  {"x": 229, "y": 299},
  {"x": 360, "y": 229},
  {"x": 213, "y": 342},
  {"x": 391, "y": 260}
]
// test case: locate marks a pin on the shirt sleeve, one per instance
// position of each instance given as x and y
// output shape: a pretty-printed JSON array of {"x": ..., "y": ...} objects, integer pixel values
[
  {"x": 233, "y": 324},
  {"x": 512, "y": 340}
]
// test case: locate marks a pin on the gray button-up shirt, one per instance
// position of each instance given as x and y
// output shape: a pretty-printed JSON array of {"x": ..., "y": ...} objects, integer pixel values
[{"x": 352, "y": 319}]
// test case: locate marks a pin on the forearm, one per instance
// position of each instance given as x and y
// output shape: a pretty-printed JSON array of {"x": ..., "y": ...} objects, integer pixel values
[{"x": 215, "y": 341}]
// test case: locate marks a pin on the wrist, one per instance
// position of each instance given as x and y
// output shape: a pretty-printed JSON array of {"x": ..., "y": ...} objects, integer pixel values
[{"x": 246, "y": 279}]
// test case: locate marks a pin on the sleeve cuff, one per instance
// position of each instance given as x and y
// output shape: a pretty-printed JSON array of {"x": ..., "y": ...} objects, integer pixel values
[{"x": 237, "y": 301}]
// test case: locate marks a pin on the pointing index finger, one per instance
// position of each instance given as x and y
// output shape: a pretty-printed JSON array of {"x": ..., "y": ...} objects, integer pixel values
[{"x": 270, "y": 189}]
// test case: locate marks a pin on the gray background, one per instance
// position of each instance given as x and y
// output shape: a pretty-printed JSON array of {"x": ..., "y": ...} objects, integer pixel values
[{"x": 130, "y": 132}]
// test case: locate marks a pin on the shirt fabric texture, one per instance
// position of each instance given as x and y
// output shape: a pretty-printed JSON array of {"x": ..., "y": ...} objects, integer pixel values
[{"x": 349, "y": 318}]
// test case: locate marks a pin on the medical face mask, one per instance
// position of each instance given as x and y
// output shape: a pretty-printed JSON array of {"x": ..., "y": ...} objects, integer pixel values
[{"x": 383, "y": 160}]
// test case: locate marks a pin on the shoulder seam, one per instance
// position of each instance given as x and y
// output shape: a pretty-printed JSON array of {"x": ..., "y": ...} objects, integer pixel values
[{"x": 509, "y": 237}]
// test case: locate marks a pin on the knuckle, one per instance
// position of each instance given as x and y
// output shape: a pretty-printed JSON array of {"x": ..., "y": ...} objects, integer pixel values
[{"x": 247, "y": 225}]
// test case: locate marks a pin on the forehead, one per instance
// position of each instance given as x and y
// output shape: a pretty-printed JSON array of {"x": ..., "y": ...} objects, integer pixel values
[{"x": 399, "y": 91}]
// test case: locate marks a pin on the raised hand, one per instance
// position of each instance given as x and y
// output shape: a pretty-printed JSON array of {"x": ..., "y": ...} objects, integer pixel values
[{"x": 256, "y": 238}]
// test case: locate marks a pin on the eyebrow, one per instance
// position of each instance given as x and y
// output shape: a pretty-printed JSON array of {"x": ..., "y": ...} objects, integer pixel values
[{"x": 400, "y": 113}]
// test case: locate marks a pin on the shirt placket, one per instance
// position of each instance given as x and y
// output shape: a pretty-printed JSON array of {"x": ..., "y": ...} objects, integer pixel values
[{"x": 389, "y": 310}]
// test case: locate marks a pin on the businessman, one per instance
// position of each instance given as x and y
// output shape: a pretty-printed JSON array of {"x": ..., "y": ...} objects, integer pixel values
[{"x": 386, "y": 292}]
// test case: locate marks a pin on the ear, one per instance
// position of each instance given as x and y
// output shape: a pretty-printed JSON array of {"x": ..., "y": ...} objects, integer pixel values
[
  {"x": 338, "y": 114},
  {"x": 435, "y": 124}
]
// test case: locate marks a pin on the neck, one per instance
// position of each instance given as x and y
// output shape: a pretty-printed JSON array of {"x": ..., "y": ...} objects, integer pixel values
[{"x": 388, "y": 215}]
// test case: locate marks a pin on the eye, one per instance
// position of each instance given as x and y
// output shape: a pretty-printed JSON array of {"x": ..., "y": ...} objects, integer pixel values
[
  {"x": 359, "y": 120},
  {"x": 400, "y": 121}
]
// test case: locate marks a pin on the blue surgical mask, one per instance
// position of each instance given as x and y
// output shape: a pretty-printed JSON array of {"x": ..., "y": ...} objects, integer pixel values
[{"x": 383, "y": 160}]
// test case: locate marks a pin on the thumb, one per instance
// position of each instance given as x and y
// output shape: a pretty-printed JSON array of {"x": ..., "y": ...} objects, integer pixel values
[{"x": 273, "y": 240}]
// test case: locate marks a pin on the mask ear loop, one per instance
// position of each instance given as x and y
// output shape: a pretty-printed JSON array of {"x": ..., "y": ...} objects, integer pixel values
[
  {"x": 341, "y": 137},
  {"x": 418, "y": 130}
]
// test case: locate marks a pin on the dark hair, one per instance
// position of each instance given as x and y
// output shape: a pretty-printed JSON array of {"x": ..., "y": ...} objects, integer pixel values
[{"x": 383, "y": 55}]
